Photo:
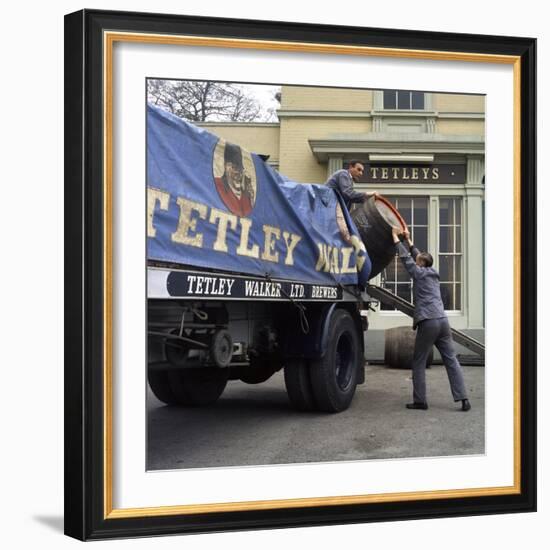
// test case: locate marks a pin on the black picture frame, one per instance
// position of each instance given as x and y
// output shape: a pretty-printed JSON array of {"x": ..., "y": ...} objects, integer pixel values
[{"x": 87, "y": 512}]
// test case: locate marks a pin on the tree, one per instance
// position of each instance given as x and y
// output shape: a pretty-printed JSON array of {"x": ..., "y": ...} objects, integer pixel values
[{"x": 202, "y": 101}]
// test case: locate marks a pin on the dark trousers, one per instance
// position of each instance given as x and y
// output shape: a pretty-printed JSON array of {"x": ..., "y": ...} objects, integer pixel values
[{"x": 436, "y": 332}]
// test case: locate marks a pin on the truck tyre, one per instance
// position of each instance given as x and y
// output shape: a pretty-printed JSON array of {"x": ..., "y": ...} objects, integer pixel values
[
  {"x": 176, "y": 351},
  {"x": 298, "y": 385},
  {"x": 334, "y": 376},
  {"x": 198, "y": 386},
  {"x": 158, "y": 378},
  {"x": 160, "y": 386}
]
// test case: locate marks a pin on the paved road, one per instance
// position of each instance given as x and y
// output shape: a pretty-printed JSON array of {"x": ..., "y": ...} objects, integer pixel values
[{"x": 253, "y": 425}]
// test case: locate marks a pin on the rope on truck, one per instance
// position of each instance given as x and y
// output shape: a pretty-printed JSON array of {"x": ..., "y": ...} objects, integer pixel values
[{"x": 304, "y": 323}]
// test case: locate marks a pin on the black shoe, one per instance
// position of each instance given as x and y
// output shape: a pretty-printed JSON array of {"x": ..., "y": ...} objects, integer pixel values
[
  {"x": 466, "y": 405},
  {"x": 421, "y": 406}
]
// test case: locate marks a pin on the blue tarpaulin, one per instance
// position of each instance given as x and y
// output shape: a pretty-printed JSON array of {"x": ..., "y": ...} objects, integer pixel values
[{"x": 212, "y": 204}]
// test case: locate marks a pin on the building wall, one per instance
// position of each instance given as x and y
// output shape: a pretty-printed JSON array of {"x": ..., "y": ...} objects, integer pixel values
[
  {"x": 325, "y": 99},
  {"x": 460, "y": 127},
  {"x": 257, "y": 138},
  {"x": 458, "y": 103},
  {"x": 297, "y": 159}
]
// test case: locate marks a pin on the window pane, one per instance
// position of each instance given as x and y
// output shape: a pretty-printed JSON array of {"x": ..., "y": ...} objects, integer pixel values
[
  {"x": 403, "y": 100},
  {"x": 458, "y": 268},
  {"x": 458, "y": 297},
  {"x": 404, "y": 207},
  {"x": 458, "y": 244},
  {"x": 391, "y": 288},
  {"x": 446, "y": 239},
  {"x": 445, "y": 206},
  {"x": 418, "y": 100},
  {"x": 446, "y": 268},
  {"x": 404, "y": 291},
  {"x": 420, "y": 238},
  {"x": 402, "y": 273},
  {"x": 421, "y": 211},
  {"x": 387, "y": 274},
  {"x": 450, "y": 241},
  {"x": 387, "y": 277},
  {"x": 389, "y": 99},
  {"x": 452, "y": 211},
  {"x": 395, "y": 277},
  {"x": 446, "y": 295}
]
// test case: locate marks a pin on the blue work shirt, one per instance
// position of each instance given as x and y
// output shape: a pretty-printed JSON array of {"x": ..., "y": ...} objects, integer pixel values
[
  {"x": 342, "y": 182},
  {"x": 426, "y": 289}
]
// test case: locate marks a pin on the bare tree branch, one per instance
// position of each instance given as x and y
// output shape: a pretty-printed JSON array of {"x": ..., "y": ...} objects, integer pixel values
[{"x": 203, "y": 101}]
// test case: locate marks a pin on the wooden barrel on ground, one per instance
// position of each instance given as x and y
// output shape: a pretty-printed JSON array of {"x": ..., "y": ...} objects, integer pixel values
[
  {"x": 399, "y": 348},
  {"x": 374, "y": 220}
]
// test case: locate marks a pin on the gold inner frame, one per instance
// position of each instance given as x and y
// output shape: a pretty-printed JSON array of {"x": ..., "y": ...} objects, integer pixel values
[{"x": 109, "y": 39}]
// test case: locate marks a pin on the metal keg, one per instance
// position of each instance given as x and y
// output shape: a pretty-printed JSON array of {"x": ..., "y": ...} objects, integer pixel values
[
  {"x": 374, "y": 220},
  {"x": 399, "y": 348}
]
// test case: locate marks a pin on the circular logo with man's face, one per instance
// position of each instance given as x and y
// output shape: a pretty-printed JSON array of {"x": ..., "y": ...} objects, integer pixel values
[{"x": 234, "y": 177}]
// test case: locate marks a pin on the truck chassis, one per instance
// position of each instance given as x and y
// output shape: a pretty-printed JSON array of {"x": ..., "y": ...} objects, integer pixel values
[{"x": 206, "y": 328}]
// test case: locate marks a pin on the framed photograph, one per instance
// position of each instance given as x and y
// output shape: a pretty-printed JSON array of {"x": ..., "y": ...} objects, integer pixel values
[{"x": 241, "y": 201}]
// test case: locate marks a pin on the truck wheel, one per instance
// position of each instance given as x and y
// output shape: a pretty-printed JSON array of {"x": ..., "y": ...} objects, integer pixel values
[
  {"x": 334, "y": 376},
  {"x": 176, "y": 351},
  {"x": 198, "y": 386},
  {"x": 158, "y": 378},
  {"x": 221, "y": 348},
  {"x": 298, "y": 385},
  {"x": 160, "y": 386}
]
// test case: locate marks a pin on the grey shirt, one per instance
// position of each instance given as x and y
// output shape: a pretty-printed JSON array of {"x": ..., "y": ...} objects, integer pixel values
[
  {"x": 426, "y": 290},
  {"x": 342, "y": 182}
]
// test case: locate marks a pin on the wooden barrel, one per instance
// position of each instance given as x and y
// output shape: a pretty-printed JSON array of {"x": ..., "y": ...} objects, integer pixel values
[
  {"x": 374, "y": 220},
  {"x": 399, "y": 348}
]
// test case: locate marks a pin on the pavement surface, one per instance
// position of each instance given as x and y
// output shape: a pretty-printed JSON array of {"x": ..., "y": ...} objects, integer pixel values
[{"x": 254, "y": 425}]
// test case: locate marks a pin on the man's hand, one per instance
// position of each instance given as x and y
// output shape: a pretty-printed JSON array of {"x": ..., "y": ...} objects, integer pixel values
[
  {"x": 370, "y": 194},
  {"x": 395, "y": 231},
  {"x": 407, "y": 235}
]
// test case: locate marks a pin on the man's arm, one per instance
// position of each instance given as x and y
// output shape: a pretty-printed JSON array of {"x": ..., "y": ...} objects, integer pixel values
[
  {"x": 345, "y": 186},
  {"x": 414, "y": 251},
  {"x": 405, "y": 256}
]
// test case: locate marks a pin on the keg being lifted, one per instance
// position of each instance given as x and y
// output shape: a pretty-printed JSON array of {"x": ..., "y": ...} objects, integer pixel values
[{"x": 374, "y": 220}]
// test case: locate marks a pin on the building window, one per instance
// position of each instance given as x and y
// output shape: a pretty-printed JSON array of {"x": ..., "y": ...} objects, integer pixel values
[
  {"x": 449, "y": 258},
  {"x": 401, "y": 99},
  {"x": 450, "y": 252},
  {"x": 395, "y": 277}
]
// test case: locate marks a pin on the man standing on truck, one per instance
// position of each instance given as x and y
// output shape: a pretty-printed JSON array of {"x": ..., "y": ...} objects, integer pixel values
[
  {"x": 342, "y": 181},
  {"x": 430, "y": 322}
]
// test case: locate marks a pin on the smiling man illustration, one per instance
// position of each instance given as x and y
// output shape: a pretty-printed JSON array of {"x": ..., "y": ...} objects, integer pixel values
[{"x": 236, "y": 186}]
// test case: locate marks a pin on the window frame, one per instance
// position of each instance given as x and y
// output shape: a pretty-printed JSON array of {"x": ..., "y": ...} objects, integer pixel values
[
  {"x": 378, "y": 104},
  {"x": 395, "y": 200},
  {"x": 434, "y": 194},
  {"x": 399, "y": 96},
  {"x": 454, "y": 253}
]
